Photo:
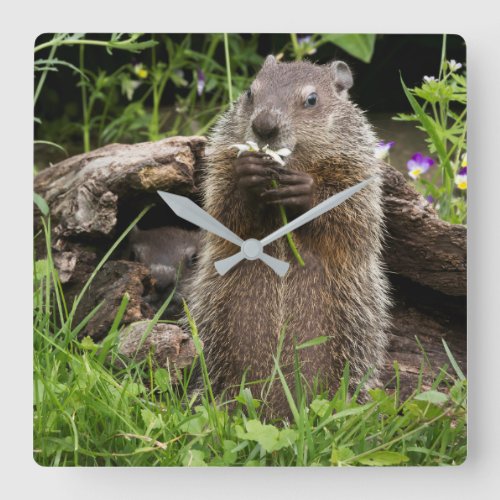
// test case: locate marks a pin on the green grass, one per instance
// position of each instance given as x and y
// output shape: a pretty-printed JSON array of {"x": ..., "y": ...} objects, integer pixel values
[{"x": 87, "y": 412}]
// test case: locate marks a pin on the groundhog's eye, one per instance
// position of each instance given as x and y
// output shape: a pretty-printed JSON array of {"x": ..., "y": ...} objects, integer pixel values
[
  {"x": 249, "y": 94},
  {"x": 311, "y": 100}
]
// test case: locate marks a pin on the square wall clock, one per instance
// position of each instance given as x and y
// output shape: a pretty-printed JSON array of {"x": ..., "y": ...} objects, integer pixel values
[{"x": 250, "y": 249}]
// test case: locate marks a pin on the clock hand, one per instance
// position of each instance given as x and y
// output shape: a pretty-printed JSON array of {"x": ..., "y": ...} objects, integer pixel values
[
  {"x": 188, "y": 210},
  {"x": 224, "y": 265},
  {"x": 278, "y": 266},
  {"x": 250, "y": 249},
  {"x": 316, "y": 211}
]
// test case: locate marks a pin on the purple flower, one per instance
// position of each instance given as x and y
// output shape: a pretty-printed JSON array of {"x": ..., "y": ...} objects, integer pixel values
[
  {"x": 430, "y": 199},
  {"x": 461, "y": 179},
  {"x": 304, "y": 39},
  {"x": 418, "y": 165},
  {"x": 382, "y": 149},
  {"x": 307, "y": 43},
  {"x": 201, "y": 81}
]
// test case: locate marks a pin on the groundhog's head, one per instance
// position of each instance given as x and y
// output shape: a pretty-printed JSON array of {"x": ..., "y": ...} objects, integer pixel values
[{"x": 294, "y": 104}]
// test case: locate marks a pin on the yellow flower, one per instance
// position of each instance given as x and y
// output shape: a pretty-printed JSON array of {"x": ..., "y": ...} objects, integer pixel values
[
  {"x": 141, "y": 71},
  {"x": 415, "y": 173}
]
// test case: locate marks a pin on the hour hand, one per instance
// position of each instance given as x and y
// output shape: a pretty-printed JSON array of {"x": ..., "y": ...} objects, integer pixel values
[
  {"x": 250, "y": 249},
  {"x": 188, "y": 210}
]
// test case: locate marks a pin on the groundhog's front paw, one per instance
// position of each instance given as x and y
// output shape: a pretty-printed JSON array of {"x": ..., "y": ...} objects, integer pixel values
[
  {"x": 294, "y": 191},
  {"x": 254, "y": 173}
]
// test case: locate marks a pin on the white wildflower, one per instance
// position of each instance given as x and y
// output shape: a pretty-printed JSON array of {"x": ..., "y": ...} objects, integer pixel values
[
  {"x": 253, "y": 147},
  {"x": 454, "y": 65},
  {"x": 429, "y": 79}
]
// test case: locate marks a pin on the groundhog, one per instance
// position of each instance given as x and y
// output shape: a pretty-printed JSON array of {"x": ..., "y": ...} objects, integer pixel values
[
  {"x": 170, "y": 253},
  {"x": 341, "y": 292}
]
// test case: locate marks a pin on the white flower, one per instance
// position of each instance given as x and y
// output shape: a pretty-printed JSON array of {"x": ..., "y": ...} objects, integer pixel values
[
  {"x": 428, "y": 79},
  {"x": 249, "y": 146},
  {"x": 277, "y": 155},
  {"x": 382, "y": 149},
  {"x": 454, "y": 65},
  {"x": 253, "y": 147},
  {"x": 129, "y": 87}
]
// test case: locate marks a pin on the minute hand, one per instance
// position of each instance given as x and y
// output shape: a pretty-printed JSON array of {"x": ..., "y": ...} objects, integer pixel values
[{"x": 318, "y": 210}]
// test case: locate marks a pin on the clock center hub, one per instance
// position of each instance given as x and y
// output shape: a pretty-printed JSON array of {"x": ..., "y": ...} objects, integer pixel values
[{"x": 251, "y": 249}]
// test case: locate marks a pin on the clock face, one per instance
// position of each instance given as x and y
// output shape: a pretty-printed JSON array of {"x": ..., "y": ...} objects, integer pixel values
[{"x": 316, "y": 315}]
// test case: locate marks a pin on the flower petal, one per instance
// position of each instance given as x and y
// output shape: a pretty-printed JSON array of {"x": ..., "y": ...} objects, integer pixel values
[
  {"x": 284, "y": 152},
  {"x": 275, "y": 156},
  {"x": 253, "y": 146},
  {"x": 415, "y": 173}
]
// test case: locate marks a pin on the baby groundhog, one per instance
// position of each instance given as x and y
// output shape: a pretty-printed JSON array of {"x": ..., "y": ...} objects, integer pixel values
[
  {"x": 170, "y": 253},
  {"x": 341, "y": 291}
]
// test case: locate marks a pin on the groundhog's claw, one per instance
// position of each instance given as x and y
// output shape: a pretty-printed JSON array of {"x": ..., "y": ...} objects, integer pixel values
[{"x": 254, "y": 174}]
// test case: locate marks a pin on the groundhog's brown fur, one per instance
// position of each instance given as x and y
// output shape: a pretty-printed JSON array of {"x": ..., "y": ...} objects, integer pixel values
[{"x": 342, "y": 291}]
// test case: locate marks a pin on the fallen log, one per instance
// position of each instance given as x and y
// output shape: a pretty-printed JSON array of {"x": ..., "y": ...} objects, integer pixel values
[{"x": 93, "y": 197}]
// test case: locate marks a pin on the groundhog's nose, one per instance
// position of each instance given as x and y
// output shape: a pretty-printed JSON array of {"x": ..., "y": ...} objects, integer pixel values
[{"x": 265, "y": 125}]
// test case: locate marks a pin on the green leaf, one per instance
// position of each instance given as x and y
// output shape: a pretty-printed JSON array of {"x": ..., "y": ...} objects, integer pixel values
[
  {"x": 265, "y": 434},
  {"x": 53, "y": 144},
  {"x": 360, "y": 46},
  {"x": 453, "y": 361},
  {"x": 340, "y": 455},
  {"x": 268, "y": 436},
  {"x": 430, "y": 127},
  {"x": 162, "y": 379},
  {"x": 385, "y": 401},
  {"x": 151, "y": 420},
  {"x": 459, "y": 391},
  {"x": 320, "y": 407},
  {"x": 197, "y": 424},
  {"x": 230, "y": 455},
  {"x": 434, "y": 397},
  {"x": 41, "y": 204},
  {"x": 194, "y": 458},
  {"x": 88, "y": 344},
  {"x": 315, "y": 341},
  {"x": 49, "y": 64},
  {"x": 41, "y": 269},
  {"x": 286, "y": 438},
  {"x": 381, "y": 458},
  {"x": 352, "y": 411}
]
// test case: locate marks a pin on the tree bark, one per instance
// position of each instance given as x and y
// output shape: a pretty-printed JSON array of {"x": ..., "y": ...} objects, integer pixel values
[{"x": 93, "y": 197}]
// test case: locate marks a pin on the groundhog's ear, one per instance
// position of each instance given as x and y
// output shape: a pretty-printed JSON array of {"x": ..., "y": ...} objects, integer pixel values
[
  {"x": 342, "y": 77},
  {"x": 270, "y": 61}
]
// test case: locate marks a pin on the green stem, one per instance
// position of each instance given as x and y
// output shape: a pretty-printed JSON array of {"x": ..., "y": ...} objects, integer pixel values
[
  {"x": 153, "y": 126},
  {"x": 104, "y": 115},
  {"x": 100, "y": 43},
  {"x": 289, "y": 236},
  {"x": 85, "y": 111},
  {"x": 44, "y": 76},
  {"x": 296, "y": 46},
  {"x": 443, "y": 56},
  {"x": 228, "y": 70}
]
